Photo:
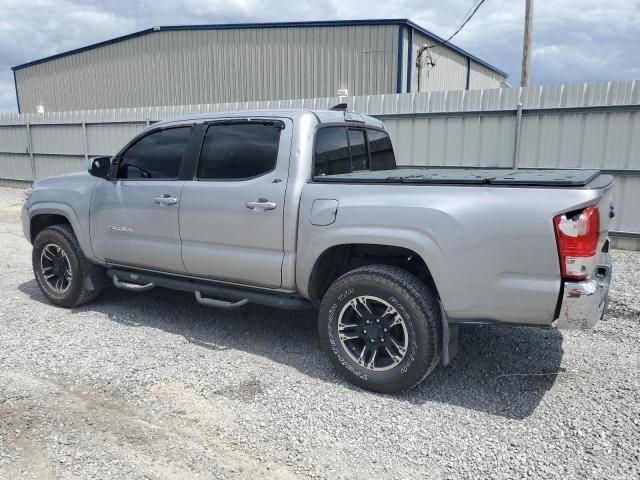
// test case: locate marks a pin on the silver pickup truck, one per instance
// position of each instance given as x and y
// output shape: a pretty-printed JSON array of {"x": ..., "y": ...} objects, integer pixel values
[{"x": 298, "y": 209}]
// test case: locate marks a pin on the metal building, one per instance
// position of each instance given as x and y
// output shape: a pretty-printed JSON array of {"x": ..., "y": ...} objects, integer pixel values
[{"x": 182, "y": 65}]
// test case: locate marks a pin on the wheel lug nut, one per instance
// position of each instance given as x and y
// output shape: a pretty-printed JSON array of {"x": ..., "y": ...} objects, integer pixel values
[
  {"x": 364, "y": 331},
  {"x": 378, "y": 321},
  {"x": 385, "y": 330},
  {"x": 382, "y": 339},
  {"x": 373, "y": 341}
]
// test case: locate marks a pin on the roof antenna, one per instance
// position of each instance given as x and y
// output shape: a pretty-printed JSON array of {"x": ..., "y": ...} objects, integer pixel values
[{"x": 341, "y": 107}]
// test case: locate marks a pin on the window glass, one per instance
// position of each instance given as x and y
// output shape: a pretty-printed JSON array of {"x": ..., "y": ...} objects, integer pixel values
[
  {"x": 332, "y": 151},
  {"x": 358, "y": 145},
  {"x": 382, "y": 157},
  {"x": 157, "y": 155},
  {"x": 238, "y": 151}
]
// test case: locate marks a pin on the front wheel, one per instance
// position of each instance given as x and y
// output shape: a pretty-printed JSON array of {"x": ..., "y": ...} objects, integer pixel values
[
  {"x": 60, "y": 267},
  {"x": 380, "y": 326}
]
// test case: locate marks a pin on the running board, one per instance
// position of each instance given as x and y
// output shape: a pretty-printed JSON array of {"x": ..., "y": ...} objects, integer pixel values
[
  {"x": 132, "y": 287},
  {"x": 234, "y": 297},
  {"x": 212, "y": 302}
]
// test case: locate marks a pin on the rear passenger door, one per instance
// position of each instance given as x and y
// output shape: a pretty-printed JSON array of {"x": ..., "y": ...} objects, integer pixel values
[{"x": 232, "y": 212}]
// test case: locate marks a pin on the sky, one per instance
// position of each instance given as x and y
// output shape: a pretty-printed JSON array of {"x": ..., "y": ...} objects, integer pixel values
[{"x": 573, "y": 41}]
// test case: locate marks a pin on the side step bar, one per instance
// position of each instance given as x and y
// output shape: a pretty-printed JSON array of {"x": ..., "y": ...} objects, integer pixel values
[
  {"x": 132, "y": 287},
  {"x": 234, "y": 296},
  {"x": 212, "y": 302}
]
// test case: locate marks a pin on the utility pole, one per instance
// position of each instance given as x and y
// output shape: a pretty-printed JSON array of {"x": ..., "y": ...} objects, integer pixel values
[{"x": 526, "y": 47}]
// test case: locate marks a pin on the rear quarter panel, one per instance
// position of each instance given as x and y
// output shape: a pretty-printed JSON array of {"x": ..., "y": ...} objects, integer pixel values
[{"x": 491, "y": 250}]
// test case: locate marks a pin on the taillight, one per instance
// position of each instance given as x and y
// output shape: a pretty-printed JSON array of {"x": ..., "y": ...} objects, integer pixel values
[{"x": 577, "y": 235}]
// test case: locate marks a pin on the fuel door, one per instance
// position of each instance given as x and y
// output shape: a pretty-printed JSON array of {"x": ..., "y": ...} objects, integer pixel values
[{"x": 324, "y": 211}]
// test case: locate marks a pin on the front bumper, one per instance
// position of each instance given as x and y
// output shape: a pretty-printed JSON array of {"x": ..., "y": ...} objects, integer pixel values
[{"x": 584, "y": 303}]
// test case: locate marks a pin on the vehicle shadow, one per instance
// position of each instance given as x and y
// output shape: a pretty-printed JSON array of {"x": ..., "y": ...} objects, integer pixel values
[{"x": 503, "y": 371}]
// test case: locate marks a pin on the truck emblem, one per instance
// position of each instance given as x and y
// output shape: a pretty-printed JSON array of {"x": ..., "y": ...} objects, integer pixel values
[{"x": 120, "y": 229}]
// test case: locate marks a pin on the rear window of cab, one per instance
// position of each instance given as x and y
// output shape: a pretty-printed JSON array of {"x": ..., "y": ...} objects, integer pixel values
[{"x": 341, "y": 150}]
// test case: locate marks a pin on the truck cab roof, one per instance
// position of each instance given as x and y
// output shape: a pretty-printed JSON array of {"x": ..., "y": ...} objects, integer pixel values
[{"x": 322, "y": 116}]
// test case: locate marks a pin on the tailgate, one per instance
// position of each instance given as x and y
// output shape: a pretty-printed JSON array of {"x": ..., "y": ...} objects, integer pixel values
[{"x": 606, "y": 209}]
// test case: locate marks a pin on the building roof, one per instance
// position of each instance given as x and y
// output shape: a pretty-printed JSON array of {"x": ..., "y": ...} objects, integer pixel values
[{"x": 231, "y": 26}]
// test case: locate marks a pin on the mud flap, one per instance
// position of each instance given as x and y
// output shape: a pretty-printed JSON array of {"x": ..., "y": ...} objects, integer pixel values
[
  {"x": 449, "y": 338},
  {"x": 96, "y": 278}
]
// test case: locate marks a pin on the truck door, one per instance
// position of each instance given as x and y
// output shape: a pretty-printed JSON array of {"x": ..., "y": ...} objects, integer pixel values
[
  {"x": 134, "y": 217},
  {"x": 232, "y": 212}
]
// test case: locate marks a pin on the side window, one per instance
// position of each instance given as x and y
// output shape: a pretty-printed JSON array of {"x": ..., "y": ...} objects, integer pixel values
[
  {"x": 359, "y": 154},
  {"x": 238, "y": 151},
  {"x": 157, "y": 155},
  {"x": 332, "y": 151},
  {"x": 382, "y": 157}
]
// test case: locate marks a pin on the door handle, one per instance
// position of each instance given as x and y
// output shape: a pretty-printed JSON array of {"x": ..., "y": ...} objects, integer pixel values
[
  {"x": 261, "y": 204},
  {"x": 165, "y": 199}
]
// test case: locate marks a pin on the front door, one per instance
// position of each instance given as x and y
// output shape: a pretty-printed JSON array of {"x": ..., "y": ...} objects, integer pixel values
[
  {"x": 232, "y": 213},
  {"x": 134, "y": 218}
]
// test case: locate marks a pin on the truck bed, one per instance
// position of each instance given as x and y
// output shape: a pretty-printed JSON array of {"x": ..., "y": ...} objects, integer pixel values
[{"x": 529, "y": 177}]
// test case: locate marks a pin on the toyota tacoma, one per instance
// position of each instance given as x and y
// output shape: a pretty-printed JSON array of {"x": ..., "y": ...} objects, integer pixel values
[{"x": 308, "y": 209}]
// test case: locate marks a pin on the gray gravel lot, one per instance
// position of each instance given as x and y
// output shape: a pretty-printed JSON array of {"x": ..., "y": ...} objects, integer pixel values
[{"x": 153, "y": 385}]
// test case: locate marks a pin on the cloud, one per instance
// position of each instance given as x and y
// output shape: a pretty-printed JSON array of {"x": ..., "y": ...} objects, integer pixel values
[{"x": 573, "y": 41}]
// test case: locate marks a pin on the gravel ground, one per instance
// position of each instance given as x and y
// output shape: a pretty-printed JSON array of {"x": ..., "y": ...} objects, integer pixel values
[{"x": 153, "y": 385}]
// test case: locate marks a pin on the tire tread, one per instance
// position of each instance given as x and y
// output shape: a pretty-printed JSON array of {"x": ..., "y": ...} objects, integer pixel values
[
  {"x": 393, "y": 277},
  {"x": 85, "y": 295}
]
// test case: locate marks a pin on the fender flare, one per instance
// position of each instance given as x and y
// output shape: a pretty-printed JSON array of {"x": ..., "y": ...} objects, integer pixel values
[{"x": 66, "y": 211}]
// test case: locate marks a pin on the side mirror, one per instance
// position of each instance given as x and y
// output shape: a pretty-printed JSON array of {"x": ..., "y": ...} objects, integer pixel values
[{"x": 100, "y": 167}]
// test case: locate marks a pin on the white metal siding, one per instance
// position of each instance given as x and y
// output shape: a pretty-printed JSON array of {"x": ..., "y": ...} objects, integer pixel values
[
  {"x": 13, "y": 140},
  {"x": 449, "y": 73},
  {"x": 483, "y": 77},
  {"x": 626, "y": 198},
  {"x": 14, "y": 166},
  {"x": 50, "y": 165},
  {"x": 626, "y": 243},
  {"x": 57, "y": 139},
  {"x": 108, "y": 139},
  {"x": 405, "y": 62},
  {"x": 212, "y": 66}
]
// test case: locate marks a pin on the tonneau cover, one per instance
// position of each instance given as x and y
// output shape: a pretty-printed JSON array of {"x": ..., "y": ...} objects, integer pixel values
[{"x": 470, "y": 176}]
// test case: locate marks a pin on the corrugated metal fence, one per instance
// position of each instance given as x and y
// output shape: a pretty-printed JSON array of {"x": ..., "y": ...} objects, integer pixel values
[{"x": 566, "y": 126}]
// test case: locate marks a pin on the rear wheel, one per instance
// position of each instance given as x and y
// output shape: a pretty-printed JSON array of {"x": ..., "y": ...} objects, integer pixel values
[
  {"x": 380, "y": 326},
  {"x": 61, "y": 268}
]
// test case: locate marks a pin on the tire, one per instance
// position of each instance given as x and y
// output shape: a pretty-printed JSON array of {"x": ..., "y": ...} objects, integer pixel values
[
  {"x": 343, "y": 309},
  {"x": 61, "y": 245}
]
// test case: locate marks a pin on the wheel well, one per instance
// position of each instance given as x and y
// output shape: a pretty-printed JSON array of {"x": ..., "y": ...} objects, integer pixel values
[
  {"x": 340, "y": 259},
  {"x": 44, "y": 220}
]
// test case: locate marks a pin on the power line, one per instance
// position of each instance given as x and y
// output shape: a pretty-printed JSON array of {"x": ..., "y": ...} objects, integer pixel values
[
  {"x": 473, "y": 5},
  {"x": 469, "y": 17},
  {"x": 425, "y": 48}
]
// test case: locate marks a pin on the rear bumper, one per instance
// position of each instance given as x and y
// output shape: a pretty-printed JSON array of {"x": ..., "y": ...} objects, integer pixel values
[{"x": 584, "y": 303}]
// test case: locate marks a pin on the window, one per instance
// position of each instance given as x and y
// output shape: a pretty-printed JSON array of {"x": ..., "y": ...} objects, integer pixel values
[
  {"x": 157, "y": 155},
  {"x": 332, "y": 151},
  {"x": 342, "y": 150},
  {"x": 382, "y": 157},
  {"x": 239, "y": 151},
  {"x": 358, "y": 147}
]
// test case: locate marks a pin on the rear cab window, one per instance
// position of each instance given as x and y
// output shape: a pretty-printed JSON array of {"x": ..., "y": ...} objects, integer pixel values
[{"x": 346, "y": 149}]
